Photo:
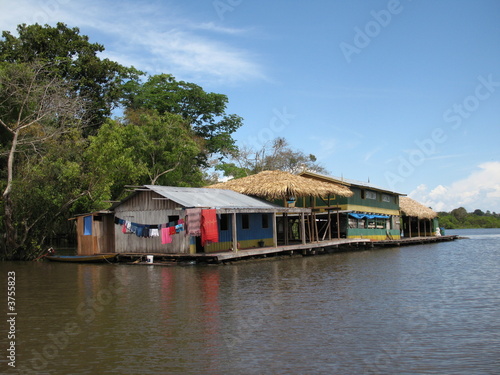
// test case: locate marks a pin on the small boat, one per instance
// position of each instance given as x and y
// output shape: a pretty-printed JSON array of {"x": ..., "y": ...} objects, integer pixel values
[{"x": 96, "y": 258}]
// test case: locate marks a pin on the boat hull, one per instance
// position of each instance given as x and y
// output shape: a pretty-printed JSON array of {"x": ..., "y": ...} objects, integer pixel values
[{"x": 100, "y": 258}]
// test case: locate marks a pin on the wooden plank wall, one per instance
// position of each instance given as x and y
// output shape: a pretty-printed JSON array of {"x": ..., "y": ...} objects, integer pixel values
[
  {"x": 85, "y": 243},
  {"x": 143, "y": 209},
  {"x": 104, "y": 234}
]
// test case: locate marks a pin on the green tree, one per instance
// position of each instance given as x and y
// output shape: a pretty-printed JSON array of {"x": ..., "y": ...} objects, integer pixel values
[
  {"x": 147, "y": 148},
  {"x": 204, "y": 111},
  {"x": 49, "y": 189},
  {"x": 459, "y": 218},
  {"x": 98, "y": 81},
  {"x": 35, "y": 107},
  {"x": 459, "y": 213}
]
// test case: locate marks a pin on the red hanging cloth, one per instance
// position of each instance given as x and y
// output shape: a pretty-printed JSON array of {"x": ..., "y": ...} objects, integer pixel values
[{"x": 209, "y": 228}]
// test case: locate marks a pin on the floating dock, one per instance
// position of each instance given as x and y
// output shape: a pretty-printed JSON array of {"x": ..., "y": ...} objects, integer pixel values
[{"x": 313, "y": 248}]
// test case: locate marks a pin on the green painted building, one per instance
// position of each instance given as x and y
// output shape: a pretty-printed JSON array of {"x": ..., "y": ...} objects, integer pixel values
[{"x": 371, "y": 212}]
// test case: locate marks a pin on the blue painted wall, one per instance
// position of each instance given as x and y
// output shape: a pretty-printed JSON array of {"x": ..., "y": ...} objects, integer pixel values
[{"x": 254, "y": 232}]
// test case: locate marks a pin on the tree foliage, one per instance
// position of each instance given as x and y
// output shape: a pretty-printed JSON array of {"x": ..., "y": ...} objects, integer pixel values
[
  {"x": 147, "y": 148},
  {"x": 459, "y": 218},
  {"x": 36, "y": 106},
  {"x": 204, "y": 111},
  {"x": 278, "y": 155},
  {"x": 74, "y": 59}
]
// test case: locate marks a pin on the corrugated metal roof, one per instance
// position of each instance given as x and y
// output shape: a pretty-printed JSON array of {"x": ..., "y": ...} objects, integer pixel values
[{"x": 214, "y": 198}]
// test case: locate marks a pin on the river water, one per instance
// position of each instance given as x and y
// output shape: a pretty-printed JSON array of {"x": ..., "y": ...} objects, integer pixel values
[{"x": 426, "y": 309}]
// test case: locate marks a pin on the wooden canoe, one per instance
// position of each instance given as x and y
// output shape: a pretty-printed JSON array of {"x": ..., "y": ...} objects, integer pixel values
[{"x": 97, "y": 258}]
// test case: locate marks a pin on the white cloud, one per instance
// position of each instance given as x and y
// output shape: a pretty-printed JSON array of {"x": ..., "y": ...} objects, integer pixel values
[
  {"x": 326, "y": 147},
  {"x": 186, "y": 54},
  {"x": 151, "y": 37},
  {"x": 480, "y": 190}
]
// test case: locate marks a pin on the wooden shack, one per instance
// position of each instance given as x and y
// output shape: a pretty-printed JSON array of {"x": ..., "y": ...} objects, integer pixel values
[{"x": 95, "y": 233}]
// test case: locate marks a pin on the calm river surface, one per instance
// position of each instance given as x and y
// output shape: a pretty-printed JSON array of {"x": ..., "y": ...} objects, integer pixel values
[{"x": 426, "y": 309}]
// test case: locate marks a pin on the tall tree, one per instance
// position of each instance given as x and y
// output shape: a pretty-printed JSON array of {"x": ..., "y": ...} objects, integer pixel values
[
  {"x": 459, "y": 213},
  {"x": 35, "y": 106},
  {"x": 277, "y": 155},
  {"x": 98, "y": 81},
  {"x": 205, "y": 111},
  {"x": 148, "y": 148}
]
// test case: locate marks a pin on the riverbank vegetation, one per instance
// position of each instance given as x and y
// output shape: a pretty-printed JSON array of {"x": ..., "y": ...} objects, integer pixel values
[{"x": 459, "y": 218}]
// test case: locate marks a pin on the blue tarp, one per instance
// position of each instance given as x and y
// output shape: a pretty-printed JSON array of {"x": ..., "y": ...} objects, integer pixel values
[{"x": 367, "y": 216}]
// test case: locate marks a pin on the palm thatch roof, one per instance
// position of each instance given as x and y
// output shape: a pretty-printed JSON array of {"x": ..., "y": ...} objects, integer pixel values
[
  {"x": 278, "y": 185},
  {"x": 412, "y": 208}
]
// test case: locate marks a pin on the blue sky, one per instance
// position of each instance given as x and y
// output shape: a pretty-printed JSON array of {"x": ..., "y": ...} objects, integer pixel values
[{"x": 403, "y": 93}]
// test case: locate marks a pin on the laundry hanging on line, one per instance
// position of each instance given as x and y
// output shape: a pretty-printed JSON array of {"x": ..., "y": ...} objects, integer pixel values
[
  {"x": 200, "y": 222},
  {"x": 149, "y": 230}
]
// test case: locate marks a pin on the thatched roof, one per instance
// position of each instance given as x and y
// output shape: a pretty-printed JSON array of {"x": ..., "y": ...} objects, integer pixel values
[
  {"x": 278, "y": 185},
  {"x": 410, "y": 207}
]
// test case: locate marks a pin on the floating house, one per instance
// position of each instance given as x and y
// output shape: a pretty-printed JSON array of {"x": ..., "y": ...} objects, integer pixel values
[
  {"x": 370, "y": 212},
  {"x": 176, "y": 220},
  {"x": 417, "y": 219}
]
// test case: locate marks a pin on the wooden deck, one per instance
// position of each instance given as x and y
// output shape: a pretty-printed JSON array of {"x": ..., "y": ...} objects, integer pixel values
[
  {"x": 313, "y": 248},
  {"x": 413, "y": 241}
]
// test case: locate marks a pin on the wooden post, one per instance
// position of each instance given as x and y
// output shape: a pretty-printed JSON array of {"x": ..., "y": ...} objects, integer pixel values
[
  {"x": 329, "y": 224},
  {"x": 309, "y": 231},
  {"x": 316, "y": 232},
  {"x": 409, "y": 225},
  {"x": 285, "y": 228},
  {"x": 235, "y": 233},
  {"x": 338, "y": 225},
  {"x": 275, "y": 229},
  {"x": 303, "y": 227},
  {"x": 418, "y": 226}
]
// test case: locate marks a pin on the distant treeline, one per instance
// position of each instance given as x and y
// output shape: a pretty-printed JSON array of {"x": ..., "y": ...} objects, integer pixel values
[{"x": 459, "y": 218}]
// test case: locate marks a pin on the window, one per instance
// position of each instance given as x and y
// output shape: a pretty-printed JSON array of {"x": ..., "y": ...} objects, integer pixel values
[
  {"x": 245, "y": 221},
  {"x": 173, "y": 218},
  {"x": 386, "y": 198},
  {"x": 224, "y": 222},
  {"x": 265, "y": 221},
  {"x": 365, "y": 194},
  {"x": 353, "y": 223},
  {"x": 371, "y": 195},
  {"x": 87, "y": 226}
]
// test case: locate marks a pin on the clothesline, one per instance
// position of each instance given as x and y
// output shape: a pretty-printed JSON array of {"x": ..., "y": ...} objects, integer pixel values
[
  {"x": 149, "y": 230},
  {"x": 199, "y": 222}
]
